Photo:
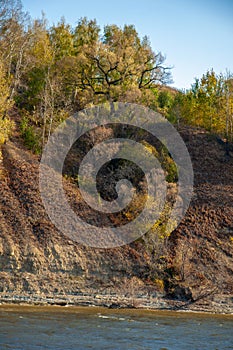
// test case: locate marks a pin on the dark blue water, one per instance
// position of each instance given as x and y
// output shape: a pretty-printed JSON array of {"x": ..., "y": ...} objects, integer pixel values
[{"x": 23, "y": 328}]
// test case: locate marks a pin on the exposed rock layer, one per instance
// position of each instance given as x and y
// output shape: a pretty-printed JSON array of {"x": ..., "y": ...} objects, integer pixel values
[{"x": 36, "y": 258}]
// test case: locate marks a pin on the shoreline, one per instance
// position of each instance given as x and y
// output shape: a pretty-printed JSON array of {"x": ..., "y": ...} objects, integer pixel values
[{"x": 120, "y": 302}]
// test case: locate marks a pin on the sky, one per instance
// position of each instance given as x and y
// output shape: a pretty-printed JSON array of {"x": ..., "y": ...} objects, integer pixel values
[{"x": 194, "y": 35}]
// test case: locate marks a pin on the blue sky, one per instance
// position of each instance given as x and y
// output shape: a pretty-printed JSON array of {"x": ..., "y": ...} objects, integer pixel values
[{"x": 195, "y": 35}]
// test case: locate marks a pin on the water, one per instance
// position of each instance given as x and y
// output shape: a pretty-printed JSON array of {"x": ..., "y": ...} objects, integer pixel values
[{"x": 64, "y": 328}]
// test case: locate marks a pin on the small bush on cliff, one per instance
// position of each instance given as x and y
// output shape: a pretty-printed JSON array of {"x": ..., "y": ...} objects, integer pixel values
[
  {"x": 31, "y": 139},
  {"x": 6, "y": 126}
]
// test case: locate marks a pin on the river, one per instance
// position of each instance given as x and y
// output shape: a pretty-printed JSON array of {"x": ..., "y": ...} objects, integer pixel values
[{"x": 64, "y": 328}]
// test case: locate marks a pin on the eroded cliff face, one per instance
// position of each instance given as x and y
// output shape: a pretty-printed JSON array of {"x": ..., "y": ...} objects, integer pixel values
[{"x": 36, "y": 258}]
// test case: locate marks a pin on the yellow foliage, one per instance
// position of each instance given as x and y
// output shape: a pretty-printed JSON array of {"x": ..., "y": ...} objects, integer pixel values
[
  {"x": 6, "y": 126},
  {"x": 5, "y": 102},
  {"x": 151, "y": 149},
  {"x": 41, "y": 49},
  {"x": 159, "y": 284}
]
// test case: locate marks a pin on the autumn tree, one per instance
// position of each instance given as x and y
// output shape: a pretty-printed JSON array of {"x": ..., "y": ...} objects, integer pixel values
[
  {"x": 208, "y": 104},
  {"x": 5, "y": 104},
  {"x": 228, "y": 97},
  {"x": 61, "y": 38},
  {"x": 56, "y": 71},
  {"x": 121, "y": 66},
  {"x": 14, "y": 39},
  {"x": 117, "y": 66}
]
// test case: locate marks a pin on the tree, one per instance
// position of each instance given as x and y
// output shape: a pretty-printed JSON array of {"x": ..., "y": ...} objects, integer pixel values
[
  {"x": 13, "y": 40},
  {"x": 5, "y": 105},
  {"x": 61, "y": 38},
  {"x": 118, "y": 66},
  {"x": 38, "y": 95},
  {"x": 56, "y": 71},
  {"x": 228, "y": 95},
  {"x": 208, "y": 104}
]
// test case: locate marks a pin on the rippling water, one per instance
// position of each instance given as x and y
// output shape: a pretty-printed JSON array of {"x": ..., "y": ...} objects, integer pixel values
[{"x": 54, "y": 328}]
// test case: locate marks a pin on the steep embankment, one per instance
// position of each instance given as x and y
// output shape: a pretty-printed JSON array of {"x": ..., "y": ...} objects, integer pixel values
[{"x": 197, "y": 260}]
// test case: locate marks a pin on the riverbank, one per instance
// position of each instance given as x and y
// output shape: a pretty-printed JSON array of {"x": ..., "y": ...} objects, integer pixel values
[
  {"x": 218, "y": 304},
  {"x": 28, "y": 327},
  {"x": 194, "y": 266}
]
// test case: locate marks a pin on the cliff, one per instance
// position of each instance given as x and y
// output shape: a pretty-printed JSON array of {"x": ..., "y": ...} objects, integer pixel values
[{"x": 195, "y": 261}]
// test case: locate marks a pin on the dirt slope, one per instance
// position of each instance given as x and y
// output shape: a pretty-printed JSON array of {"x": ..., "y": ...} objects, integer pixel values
[{"x": 198, "y": 257}]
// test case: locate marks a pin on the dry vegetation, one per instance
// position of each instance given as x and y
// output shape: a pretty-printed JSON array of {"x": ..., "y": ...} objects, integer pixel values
[{"x": 196, "y": 260}]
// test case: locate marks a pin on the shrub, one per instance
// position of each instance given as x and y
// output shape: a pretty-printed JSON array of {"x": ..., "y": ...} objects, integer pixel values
[
  {"x": 31, "y": 139},
  {"x": 159, "y": 284},
  {"x": 6, "y": 127}
]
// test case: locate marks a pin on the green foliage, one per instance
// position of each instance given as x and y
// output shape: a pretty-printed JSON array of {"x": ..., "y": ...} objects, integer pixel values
[
  {"x": 31, "y": 139},
  {"x": 168, "y": 165},
  {"x": 68, "y": 69},
  {"x": 49, "y": 70},
  {"x": 164, "y": 99},
  {"x": 30, "y": 98},
  {"x": 61, "y": 40},
  {"x": 165, "y": 160},
  {"x": 86, "y": 34},
  {"x": 208, "y": 104},
  {"x": 174, "y": 111}
]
